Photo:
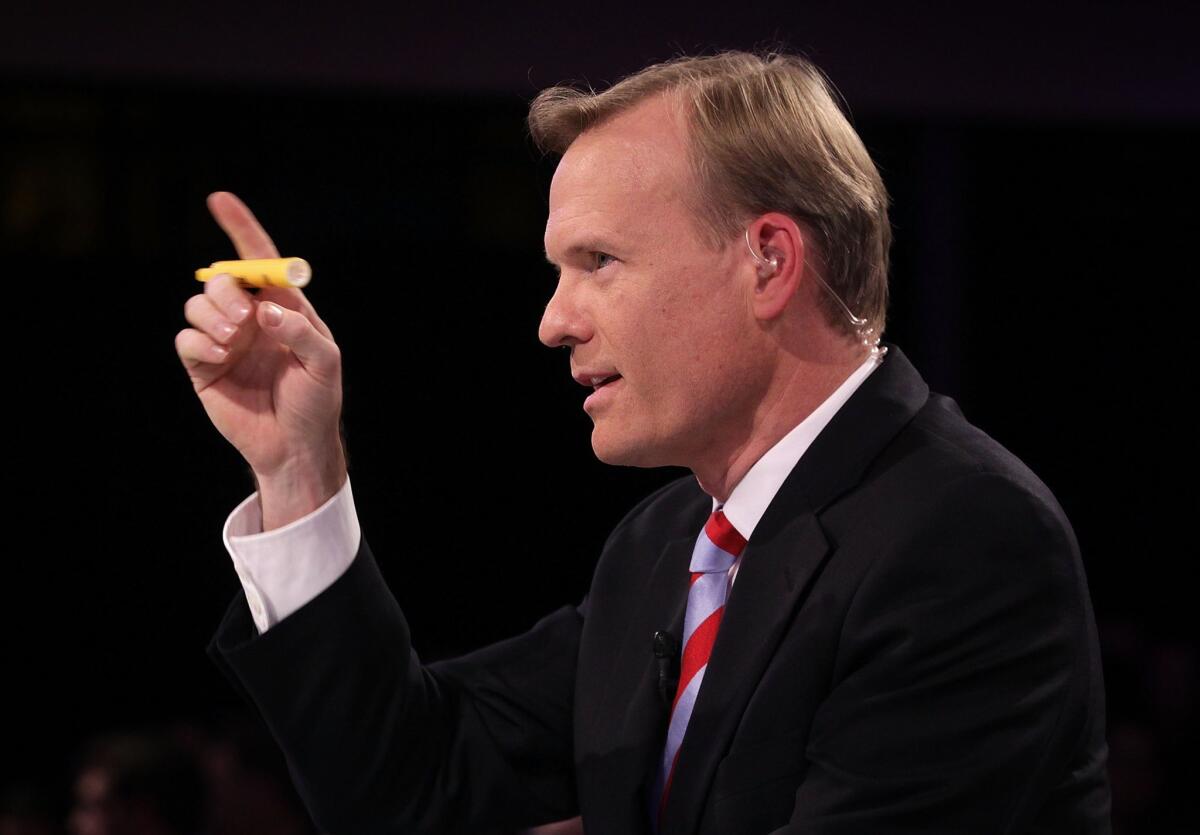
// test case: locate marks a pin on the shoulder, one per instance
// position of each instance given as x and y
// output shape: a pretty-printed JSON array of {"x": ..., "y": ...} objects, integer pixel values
[
  {"x": 946, "y": 511},
  {"x": 674, "y": 512},
  {"x": 940, "y": 462}
]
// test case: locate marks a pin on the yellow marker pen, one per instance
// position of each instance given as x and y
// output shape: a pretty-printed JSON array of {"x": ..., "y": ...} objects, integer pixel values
[{"x": 261, "y": 272}]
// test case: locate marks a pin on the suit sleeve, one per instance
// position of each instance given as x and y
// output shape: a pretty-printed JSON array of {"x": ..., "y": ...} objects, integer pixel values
[
  {"x": 377, "y": 742},
  {"x": 963, "y": 681}
]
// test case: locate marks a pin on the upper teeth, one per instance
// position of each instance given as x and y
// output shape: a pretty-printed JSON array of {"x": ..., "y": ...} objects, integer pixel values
[{"x": 598, "y": 380}]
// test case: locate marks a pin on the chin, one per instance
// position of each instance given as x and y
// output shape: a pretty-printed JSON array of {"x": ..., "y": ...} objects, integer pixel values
[{"x": 626, "y": 451}]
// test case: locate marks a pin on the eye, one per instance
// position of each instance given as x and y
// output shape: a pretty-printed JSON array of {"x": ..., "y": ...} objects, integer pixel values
[{"x": 602, "y": 259}]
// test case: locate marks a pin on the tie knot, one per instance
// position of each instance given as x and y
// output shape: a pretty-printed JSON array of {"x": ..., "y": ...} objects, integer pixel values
[{"x": 718, "y": 546}]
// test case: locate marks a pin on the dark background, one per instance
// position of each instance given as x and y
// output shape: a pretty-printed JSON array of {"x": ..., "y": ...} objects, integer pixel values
[{"x": 1042, "y": 168}]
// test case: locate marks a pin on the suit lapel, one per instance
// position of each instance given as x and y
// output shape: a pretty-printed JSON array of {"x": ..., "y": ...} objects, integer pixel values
[
  {"x": 784, "y": 555},
  {"x": 631, "y": 701}
]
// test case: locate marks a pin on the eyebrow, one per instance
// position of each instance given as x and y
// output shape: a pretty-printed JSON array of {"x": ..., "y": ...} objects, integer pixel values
[{"x": 583, "y": 247}]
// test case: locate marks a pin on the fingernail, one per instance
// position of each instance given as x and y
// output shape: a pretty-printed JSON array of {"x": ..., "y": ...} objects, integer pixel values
[
  {"x": 240, "y": 311},
  {"x": 272, "y": 313},
  {"x": 220, "y": 351},
  {"x": 226, "y": 331}
]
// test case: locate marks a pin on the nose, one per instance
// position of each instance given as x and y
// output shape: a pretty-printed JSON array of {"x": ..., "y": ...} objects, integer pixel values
[{"x": 564, "y": 324}]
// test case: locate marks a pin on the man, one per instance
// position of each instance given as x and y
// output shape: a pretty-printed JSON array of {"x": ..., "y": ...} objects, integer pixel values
[{"x": 884, "y": 621}]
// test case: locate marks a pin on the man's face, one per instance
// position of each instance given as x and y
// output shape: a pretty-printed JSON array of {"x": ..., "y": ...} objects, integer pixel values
[{"x": 659, "y": 322}]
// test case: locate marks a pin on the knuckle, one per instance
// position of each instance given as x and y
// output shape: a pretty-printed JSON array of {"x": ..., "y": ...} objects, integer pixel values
[
  {"x": 192, "y": 305},
  {"x": 220, "y": 288},
  {"x": 331, "y": 362},
  {"x": 185, "y": 347}
]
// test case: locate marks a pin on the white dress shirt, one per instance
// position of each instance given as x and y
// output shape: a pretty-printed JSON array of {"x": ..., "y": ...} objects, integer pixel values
[{"x": 283, "y": 569}]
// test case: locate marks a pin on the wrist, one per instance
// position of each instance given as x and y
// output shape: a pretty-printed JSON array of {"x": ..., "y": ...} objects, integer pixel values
[{"x": 296, "y": 489}]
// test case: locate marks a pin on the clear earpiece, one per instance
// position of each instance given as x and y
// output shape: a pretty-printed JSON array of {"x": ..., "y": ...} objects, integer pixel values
[{"x": 862, "y": 327}]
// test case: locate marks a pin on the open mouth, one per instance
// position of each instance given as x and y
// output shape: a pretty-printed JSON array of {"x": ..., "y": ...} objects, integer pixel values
[{"x": 598, "y": 383}]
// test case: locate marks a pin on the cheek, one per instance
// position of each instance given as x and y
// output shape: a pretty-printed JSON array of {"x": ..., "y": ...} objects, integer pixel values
[{"x": 675, "y": 345}]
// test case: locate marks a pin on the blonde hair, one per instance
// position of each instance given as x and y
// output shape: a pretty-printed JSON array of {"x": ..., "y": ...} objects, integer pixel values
[{"x": 765, "y": 135}]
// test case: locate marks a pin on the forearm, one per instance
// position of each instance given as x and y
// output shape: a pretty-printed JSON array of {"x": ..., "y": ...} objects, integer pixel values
[{"x": 377, "y": 742}]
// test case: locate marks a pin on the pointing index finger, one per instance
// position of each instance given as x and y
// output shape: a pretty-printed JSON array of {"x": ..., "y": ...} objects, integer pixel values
[{"x": 249, "y": 238}]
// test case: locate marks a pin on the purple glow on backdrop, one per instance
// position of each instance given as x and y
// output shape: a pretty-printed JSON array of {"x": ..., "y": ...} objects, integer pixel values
[{"x": 1070, "y": 59}]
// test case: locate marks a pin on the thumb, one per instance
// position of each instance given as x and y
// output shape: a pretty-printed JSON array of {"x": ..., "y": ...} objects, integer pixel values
[{"x": 316, "y": 352}]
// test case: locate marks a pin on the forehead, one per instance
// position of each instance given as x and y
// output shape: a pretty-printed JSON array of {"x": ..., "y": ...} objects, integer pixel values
[{"x": 613, "y": 175}]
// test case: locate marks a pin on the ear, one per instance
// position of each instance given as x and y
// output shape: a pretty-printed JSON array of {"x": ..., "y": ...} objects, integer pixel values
[{"x": 777, "y": 258}]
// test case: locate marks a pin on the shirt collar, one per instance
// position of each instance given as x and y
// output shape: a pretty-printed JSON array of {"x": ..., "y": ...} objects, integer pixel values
[{"x": 750, "y": 498}]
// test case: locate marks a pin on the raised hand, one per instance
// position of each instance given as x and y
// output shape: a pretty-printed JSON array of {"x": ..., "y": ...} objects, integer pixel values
[{"x": 269, "y": 375}]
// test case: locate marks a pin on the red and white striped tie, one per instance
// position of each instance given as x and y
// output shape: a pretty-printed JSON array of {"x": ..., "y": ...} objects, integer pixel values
[{"x": 717, "y": 549}]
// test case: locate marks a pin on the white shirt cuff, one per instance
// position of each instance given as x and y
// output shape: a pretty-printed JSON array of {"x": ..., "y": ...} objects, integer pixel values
[{"x": 283, "y": 569}]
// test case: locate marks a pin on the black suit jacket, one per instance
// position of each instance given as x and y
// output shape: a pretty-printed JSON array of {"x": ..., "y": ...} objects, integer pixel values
[{"x": 909, "y": 647}]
